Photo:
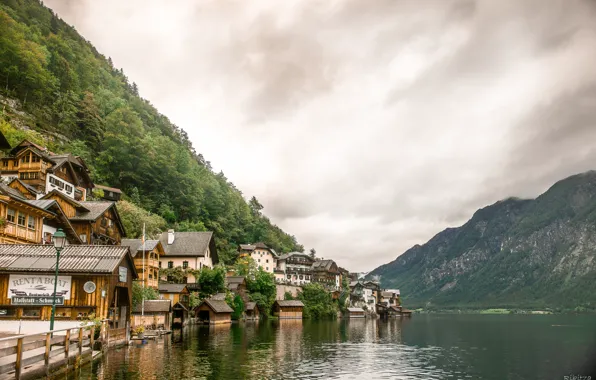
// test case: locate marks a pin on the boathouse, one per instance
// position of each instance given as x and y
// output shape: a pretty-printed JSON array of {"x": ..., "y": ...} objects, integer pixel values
[
  {"x": 214, "y": 312},
  {"x": 251, "y": 311},
  {"x": 288, "y": 309},
  {"x": 355, "y": 312},
  {"x": 154, "y": 315},
  {"x": 179, "y": 295},
  {"x": 92, "y": 279}
]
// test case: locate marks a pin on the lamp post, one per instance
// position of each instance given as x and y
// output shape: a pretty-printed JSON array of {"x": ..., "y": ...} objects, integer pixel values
[{"x": 59, "y": 239}]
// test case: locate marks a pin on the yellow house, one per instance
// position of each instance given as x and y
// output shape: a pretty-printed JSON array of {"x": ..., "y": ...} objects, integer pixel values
[{"x": 152, "y": 251}]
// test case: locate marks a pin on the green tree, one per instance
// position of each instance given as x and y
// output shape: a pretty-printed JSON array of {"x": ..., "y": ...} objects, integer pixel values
[
  {"x": 212, "y": 281},
  {"x": 138, "y": 292},
  {"x": 262, "y": 289},
  {"x": 246, "y": 267},
  {"x": 318, "y": 303}
]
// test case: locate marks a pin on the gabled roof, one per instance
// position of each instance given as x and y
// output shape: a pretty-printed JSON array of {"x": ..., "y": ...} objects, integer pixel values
[
  {"x": 154, "y": 306},
  {"x": 136, "y": 245},
  {"x": 288, "y": 255},
  {"x": 171, "y": 288},
  {"x": 218, "y": 297},
  {"x": 250, "y": 306},
  {"x": 259, "y": 245},
  {"x": 29, "y": 188},
  {"x": 235, "y": 279},
  {"x": 107, "y": 188},
  {"x": 73, "y": 258},
  {"x": 323, "y": 265},
  {"x": 217, "y": 306},
  {"x": 289, "y": 303},
  {"x": 4, "y": 144},
  {"x": 76, "y": 204},
  {"x": 96, "y": 209},
  {"x": 247, "y": 247},
  {"x": 192, "y": 244},
  {"x": 16, "y": 195}
]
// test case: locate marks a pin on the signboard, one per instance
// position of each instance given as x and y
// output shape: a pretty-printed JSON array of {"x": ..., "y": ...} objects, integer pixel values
[
  {"x": 31, "y": 285},
  {"x": 122, "y": 274},
  {"x": 35, "y": 301}
]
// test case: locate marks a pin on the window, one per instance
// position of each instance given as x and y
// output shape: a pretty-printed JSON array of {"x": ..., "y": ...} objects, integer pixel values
[
  {"x": 170, "y": 264},
  {"x": 184, "y": 264},
  {"x": 267, "y": 261},
  {"x": 68, "y": 188},
  {"x": 8, "y": 313},
  {"x": 160, "y": 265},
  {"x": 16, "y": 163},
  {"x": 110, "y": 194},
  {"x": 26, "y": 159},
  {"x": 10, "y": 215},
  {"x": 28, "y": 175},
  {"x": 27, "y": 312},
  {"x": 83, "y": 237},
  {"x": 21, "y": 219},
  {"x": 34, "y": 158},
  {"x": 259, "y": 260},
  {"x": 31, "y": 222},
  {"x": 267, "y": 268},
  {"x": 104, "y": 222},
  {"x": 5, "y": 163}
]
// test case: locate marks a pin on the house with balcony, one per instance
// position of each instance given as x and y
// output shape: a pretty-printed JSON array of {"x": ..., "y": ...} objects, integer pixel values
[
  {"x": 326, "y": 272},
  {"x": 146, "y": 259},
  {"x": 44, "y": 171},
  {"x": 188, "y": 250},
  {"x": 27, "y": 221},
  {"x": 263, "y": 256},
  {"x": 294, "y": 268},
  {"x": 390, "y": 298}
]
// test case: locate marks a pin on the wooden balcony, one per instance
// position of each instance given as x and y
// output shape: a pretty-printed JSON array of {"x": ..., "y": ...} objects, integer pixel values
[{"x": 20, "y": 232}]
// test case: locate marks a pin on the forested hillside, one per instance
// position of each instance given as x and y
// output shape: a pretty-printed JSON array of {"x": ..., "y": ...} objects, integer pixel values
[
  {"x": 58, "y": 90},
  {"x": 515, "y": 253}
]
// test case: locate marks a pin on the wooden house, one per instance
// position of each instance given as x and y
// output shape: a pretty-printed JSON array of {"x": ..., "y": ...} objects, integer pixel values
[
  {"x": 155, "y": 314},
  {"x": 251, "y": 311},
  {"x": 355, "y": 312},
  {"x": 214, "y": 312},
  {"x": 148, "y": 268},
  {"x": 20, "y": 221},
  {"x": 179, "y": 295},
  {"x": 288, "y": 309},
  {"x": 92, "y": 280},
  {"x": 100, "y": 225},
  {"x": 327, "y": 273},
  {"x": 26, "y": 190},
  {"x": 45, "y": 171},
  {"x": 237, "y": 285},
  {"x": 31, "y": 221},
  {"x": 109, "y": 193}
]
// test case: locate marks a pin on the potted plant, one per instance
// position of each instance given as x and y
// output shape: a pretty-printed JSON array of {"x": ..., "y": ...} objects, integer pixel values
[{"x": 140, "y": 330}]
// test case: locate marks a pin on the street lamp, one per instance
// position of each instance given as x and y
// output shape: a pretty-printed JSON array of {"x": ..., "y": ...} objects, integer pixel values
[{"x": 59, "y": 239}]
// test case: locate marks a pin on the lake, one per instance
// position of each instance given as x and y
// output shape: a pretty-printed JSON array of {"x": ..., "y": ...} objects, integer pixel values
[{"x": 432, "y": 346}]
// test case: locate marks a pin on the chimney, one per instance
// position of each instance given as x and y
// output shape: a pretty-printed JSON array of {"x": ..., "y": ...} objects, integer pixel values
[{"x": 171, "y": 237}]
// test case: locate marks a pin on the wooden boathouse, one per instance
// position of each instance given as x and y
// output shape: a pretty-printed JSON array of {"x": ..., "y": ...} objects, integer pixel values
[
  {"x": 93, "y": 279},
  {"x": 214, "y": 312},
  {"x": 355, "y": 312},
  {"x": 290, "y": 309}
]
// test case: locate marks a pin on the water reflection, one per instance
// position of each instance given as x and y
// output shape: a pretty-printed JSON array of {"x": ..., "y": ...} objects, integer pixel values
[{"x": 421, "y": 348}]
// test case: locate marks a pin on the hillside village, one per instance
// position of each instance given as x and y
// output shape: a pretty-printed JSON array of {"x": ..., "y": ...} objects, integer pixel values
[{"x": 173, "y": 279}]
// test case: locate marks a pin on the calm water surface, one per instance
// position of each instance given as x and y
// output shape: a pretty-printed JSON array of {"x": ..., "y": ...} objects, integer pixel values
[{"x": 425, "y": 347}]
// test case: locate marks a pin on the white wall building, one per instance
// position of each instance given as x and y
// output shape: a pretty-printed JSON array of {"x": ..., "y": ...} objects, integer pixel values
[
  {"x": 263, "y": 256},
  {"x": 188, "y": 250}
]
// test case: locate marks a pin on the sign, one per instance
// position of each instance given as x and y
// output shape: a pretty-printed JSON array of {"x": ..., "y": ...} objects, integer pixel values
[
  {"x": 122, "y": 271},
  {"x": 35, "y": 301},
  {"x": 31, "y": 285}
]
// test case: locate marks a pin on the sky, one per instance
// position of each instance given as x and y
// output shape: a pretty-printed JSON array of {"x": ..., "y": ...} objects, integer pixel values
[{"x": 365, "y": 127}]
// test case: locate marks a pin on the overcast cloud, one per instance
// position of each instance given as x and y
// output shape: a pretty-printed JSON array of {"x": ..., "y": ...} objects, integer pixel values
[{"x": 365, "y": 127}]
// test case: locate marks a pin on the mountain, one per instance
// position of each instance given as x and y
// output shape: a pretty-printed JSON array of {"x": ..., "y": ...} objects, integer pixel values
[
  {"x": 57, "y": 90},
  {"x": 515, "y": 253}
]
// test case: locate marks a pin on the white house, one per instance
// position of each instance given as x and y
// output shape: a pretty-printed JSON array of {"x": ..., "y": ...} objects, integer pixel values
[
  {"x": 264, "y": 256},
  {"x": 294, "y": 268},
  {"x": 189, "y": 250}
]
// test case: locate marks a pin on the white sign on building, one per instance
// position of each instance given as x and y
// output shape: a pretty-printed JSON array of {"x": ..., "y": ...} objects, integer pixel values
[{"x": 31, "y": 285}]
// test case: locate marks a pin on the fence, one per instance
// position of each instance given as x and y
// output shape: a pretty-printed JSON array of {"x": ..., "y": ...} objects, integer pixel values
[{"x": 38, "y": 355}]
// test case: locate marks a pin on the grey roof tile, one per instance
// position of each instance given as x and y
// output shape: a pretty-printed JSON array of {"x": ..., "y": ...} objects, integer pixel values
[{"x": 187, "y": 243}]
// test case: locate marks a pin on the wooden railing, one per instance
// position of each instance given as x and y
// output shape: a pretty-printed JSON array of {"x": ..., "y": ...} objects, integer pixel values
[{"x": 42, "y": 352}]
